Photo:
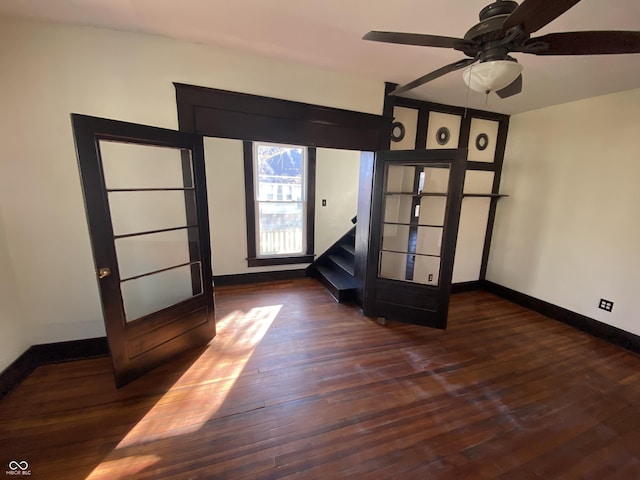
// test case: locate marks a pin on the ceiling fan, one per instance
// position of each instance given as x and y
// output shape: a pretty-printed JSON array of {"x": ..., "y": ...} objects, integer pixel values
[{"x": 506, "y": 27}]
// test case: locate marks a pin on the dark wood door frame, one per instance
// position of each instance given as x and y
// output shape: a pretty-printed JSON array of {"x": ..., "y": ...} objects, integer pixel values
[
  {"x": 387, "y": 298},
  {"x": 225, "y": 114},
  {"x": 138, "y": 346}
]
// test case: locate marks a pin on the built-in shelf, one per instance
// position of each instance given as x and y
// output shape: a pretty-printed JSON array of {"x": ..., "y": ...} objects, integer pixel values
[
  {"x": 414, "y": 194},
  {"x": 410, "y": 253},
  {"x": 483, "y": 195},
  {"x": 434, "y": 194},
  {"x": 413, "y": 224}
]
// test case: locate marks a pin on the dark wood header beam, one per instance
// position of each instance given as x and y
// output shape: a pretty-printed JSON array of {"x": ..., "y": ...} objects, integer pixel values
[{"x": 221, "y": 113}]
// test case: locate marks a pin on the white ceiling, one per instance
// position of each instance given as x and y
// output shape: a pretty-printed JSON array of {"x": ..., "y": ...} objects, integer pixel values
[{"x": 327, "y": 33}]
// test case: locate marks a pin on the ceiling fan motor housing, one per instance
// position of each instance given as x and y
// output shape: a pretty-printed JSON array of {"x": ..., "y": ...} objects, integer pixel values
[
  {"x": 486, "y": 32},
  {"x": 489, "y": 38},
  {"x": 505, "y": 7}
]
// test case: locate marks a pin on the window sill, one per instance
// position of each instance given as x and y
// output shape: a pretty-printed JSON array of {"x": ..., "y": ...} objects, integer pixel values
[{"x": 266, "y": 261}]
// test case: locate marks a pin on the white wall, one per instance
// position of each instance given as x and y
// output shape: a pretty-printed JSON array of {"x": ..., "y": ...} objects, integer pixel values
[
  {"x": 51, "y": 70},
  {"x": 569, "y": 233},
  {"x": 13, "y": 339},
  {"x": 337, "y": 174}
]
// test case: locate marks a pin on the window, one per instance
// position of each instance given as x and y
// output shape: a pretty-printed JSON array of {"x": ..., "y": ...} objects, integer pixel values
[{"x": 279, "y": 181}]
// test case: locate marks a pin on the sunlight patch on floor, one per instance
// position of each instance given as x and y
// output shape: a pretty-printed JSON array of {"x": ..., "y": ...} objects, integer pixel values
[
  {"x": 123, "y": 467},
  {"x": 201, "y": 390}
]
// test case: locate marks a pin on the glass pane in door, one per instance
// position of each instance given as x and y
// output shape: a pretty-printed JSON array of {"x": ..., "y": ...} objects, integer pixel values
[
  {"x": 432, "y": 210},
  {"x": 414, "y": 208},
  {"x": 429, "y": 241},
  {"x": 395, "y": 238},
  {"x": 426, "y": 270},
  {"x": 142, "y": 254},
  {"x": 398, "y": 208},
  {"x": 132, "y": 165},
  {"x": 393, "y": 265},
  {"x": 144, "y": 295},
  {"x": 400, "y": 178},
  {"x": 436, "y": 179},
  {"x": 148, "y": 210},
  {"x": 152, "y": 209}
]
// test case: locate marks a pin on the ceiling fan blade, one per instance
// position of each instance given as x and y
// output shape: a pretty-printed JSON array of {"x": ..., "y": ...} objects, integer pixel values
[
  {"x": 532, "y": 15},
  {"x": 433, "y": 75},
  {"x": 418, "y": 39},
  {"x": 512, "y": 89},
  {"x": 589, "y": 43}
]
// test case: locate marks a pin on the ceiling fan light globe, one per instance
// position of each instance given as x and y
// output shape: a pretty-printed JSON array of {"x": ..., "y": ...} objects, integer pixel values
[{"x": 491, "y": 75}]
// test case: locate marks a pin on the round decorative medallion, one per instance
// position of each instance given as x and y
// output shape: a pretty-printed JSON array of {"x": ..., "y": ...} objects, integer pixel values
[
  {"x": 397, "y": 131},
  {"x": 443, "y": 135},
  {"x": 482, "y": 141}
]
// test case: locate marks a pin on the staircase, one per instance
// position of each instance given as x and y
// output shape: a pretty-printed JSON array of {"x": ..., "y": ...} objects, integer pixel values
[{"x": 335, "y": 268}]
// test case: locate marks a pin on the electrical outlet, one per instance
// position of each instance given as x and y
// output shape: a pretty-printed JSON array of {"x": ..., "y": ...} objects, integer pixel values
[
  {"x": 324, "y": 202},
  {"x": 430, "y": 277},
  {"x": 605, "y": 305}
]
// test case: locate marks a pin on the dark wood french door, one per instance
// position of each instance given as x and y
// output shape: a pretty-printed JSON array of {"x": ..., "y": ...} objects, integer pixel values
[
  {"x": 146, "y": 203},
  {"x": 415, "y": 213}
]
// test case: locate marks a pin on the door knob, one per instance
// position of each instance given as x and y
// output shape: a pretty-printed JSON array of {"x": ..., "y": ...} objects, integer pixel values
[{"x": 104, "y": 272}]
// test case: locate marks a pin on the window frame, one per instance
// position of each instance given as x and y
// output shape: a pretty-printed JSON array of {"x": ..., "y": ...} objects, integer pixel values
[{"x": 253, "y": 259}]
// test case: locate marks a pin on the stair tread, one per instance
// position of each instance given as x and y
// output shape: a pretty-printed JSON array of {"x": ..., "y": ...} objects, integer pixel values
[
  {"x": 349, "y": 248},
  {"x": 338, "y": 278},
  {"x": 344, "y": 264}
]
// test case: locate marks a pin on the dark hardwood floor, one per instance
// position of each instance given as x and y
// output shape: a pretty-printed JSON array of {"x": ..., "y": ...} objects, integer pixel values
[{"x": 297, "y": 386}]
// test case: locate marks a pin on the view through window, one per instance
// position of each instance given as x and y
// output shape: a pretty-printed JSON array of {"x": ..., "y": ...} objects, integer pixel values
[{"x": 280, "y": 178}]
